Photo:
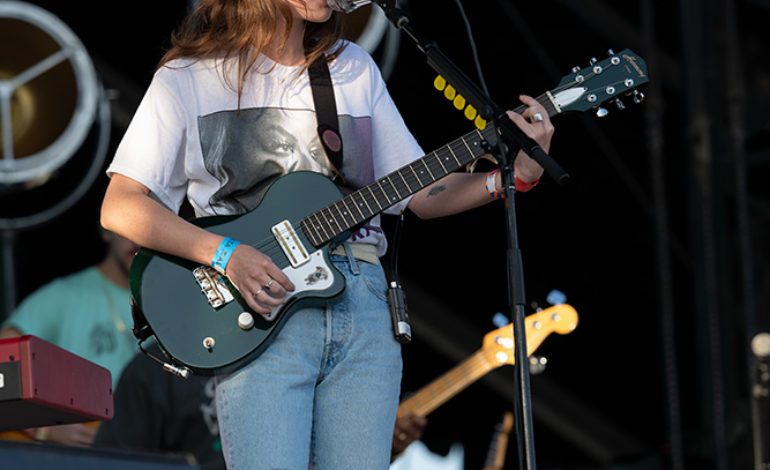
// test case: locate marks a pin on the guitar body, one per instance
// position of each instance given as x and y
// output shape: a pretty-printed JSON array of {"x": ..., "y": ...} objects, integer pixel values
[{"x": 168, "y": 300}]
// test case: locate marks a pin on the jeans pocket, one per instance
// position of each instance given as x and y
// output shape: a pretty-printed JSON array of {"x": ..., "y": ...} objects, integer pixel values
[{"x": 374, "y": 278}]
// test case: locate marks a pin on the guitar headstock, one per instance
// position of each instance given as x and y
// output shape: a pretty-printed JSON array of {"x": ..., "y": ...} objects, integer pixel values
[
  {"x": 602, "y": 81},
  {"x": 498, "y": 344}
]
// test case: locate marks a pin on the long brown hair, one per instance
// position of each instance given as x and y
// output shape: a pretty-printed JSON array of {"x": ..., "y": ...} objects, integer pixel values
[{"x": 244, "y": 28}]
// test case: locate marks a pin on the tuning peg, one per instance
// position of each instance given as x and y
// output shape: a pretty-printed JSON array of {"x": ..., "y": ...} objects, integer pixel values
[
  {"x": 556, "y": 297},
  {"x": 638, "y": 96},
  {"x": 576, "y": 69},
  {"x": 601, "y": 112},
  {"x": 537, "y": 364},
  {"x": 619, "y": 104},
  {"x": 592, "y": 61},
  {"x": 610, "y": 52}
]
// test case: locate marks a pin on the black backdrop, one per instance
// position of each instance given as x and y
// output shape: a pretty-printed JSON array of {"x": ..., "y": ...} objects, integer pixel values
[{"x": 593, "y": 239}]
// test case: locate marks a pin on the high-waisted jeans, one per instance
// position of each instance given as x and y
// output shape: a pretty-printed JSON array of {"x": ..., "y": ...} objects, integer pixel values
[{"x": 325, "y": 391}]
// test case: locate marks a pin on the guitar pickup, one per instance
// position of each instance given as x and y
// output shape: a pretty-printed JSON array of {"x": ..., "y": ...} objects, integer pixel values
[
  {"x": 290, "y": 243},
  {"x": 213, "y": 286}
]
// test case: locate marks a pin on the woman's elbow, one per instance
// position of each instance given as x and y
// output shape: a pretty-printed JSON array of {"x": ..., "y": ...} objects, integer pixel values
[
  {"x": 120, "y": 200},
  {"x": 421, "y": 210},
  {"x": 107, "y": 216}
]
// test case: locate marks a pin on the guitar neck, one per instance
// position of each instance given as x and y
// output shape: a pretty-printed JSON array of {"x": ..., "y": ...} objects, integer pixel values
[
  {"x": 361, "y": 205},
  {"x": 447, "y": 386}
]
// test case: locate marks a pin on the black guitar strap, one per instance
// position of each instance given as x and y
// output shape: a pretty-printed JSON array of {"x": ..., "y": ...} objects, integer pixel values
[
  {"x": 326, "y": 114},
  {"x": 328, "y": 131}
]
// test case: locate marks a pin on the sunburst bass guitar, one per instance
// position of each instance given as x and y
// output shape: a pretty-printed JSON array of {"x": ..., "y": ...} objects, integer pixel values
[
  {"x": 496, "y": 351},
  {"x": 200, "y": 320}
]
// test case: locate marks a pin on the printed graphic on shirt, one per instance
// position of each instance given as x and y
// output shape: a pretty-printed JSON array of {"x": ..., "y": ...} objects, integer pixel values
[
  {"x": 247, "y": 150},
  {"x": 102, "y": 339}
]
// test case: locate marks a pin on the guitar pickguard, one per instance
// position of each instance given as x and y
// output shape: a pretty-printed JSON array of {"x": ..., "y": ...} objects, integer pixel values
[{"x": 314, "y": 275}]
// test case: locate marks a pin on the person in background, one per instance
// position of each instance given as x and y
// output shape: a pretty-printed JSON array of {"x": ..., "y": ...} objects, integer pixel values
[
  {"x": 88, "y": 314},
  {"x": 159, "y": 412}
]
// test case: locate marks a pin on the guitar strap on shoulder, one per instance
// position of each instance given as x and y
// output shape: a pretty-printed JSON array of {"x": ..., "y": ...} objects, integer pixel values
[{"x": 326, "y": 113}]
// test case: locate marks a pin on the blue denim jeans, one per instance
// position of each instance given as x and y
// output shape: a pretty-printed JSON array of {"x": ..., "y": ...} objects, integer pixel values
[{"x": 325, "y": 391}]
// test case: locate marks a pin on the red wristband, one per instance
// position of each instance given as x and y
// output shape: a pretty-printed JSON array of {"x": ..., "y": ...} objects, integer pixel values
[
  {"x": 490, "y": 186},
  {"x": 523, "y": 186}
]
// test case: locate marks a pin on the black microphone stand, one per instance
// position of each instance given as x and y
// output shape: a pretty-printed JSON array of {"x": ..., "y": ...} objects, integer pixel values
[{"x": 511, "y": 140}]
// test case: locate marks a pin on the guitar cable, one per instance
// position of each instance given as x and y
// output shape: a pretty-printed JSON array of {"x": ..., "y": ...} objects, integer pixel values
[{"x": 399, "y": 314}]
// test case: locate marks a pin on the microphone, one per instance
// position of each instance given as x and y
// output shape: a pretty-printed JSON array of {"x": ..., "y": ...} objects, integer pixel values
[
  {"x": 395, "y": 15},
  {"x": 347, "y": 6}
]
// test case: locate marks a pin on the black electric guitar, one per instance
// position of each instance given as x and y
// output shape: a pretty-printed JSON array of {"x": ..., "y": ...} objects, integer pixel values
[{"x": 198, "y": 317}]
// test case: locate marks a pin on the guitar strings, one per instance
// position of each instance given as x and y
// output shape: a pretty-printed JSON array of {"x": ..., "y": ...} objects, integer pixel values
[
  {"x": 271, "y": 248},
  {"x": 432, "y": 165}
]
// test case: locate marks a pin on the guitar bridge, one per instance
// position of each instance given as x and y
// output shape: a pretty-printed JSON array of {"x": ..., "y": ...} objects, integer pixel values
[{"x": 213, "y": 286}]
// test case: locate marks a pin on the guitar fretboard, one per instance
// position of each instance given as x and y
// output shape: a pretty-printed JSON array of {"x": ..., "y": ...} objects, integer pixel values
[
  {"x": 447, "y": 386},
  {"x": 361, "y": 205}
]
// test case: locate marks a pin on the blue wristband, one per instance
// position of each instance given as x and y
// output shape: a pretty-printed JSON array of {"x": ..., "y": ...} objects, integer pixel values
[{"x": 223, "y": 254}]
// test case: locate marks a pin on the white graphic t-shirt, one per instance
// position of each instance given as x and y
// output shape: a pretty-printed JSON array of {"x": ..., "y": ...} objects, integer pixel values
[{"x": 189, "y": 137}]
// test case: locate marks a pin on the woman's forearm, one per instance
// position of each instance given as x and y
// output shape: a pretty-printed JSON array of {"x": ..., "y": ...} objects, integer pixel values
[
  {"x": 459, "y": 192},
  {"x": 453, "y": 194},
  {"x": 129, "y": 211}
]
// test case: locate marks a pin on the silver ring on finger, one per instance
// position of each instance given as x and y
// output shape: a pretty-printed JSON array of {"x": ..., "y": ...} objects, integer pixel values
[
  {"x": 537, "y": 117},
  {"x": 256, "y": 294},
  {"x": 269, "y": 283}
]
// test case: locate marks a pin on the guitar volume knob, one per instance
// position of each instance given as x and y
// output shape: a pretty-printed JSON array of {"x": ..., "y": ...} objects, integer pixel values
[{"x": 245, "y": 321}]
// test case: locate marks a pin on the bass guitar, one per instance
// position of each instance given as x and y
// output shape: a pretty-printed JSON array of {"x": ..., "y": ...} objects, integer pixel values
[
  {"x": 217, "y": 332},
  {"x": 496, "y": 351}
]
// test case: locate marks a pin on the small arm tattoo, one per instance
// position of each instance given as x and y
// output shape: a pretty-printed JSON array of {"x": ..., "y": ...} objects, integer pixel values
[{"x": 434, "y": 191}]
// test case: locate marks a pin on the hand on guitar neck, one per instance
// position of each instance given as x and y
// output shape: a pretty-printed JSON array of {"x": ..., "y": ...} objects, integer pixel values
[{"x": 409, "y": 428}]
